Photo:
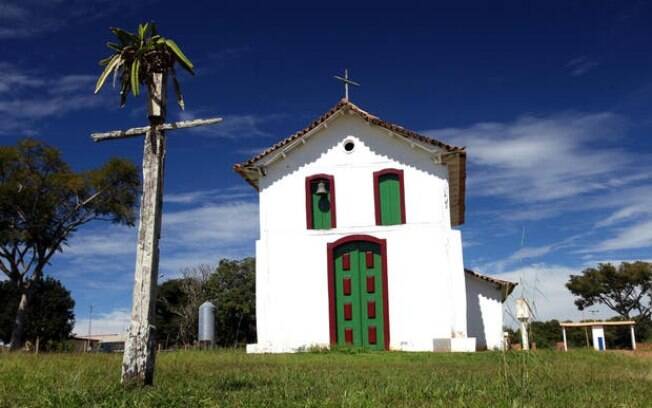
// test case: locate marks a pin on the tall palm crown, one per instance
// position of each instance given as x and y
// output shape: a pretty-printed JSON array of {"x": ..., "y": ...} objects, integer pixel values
[{"x": 137, "y": 56}]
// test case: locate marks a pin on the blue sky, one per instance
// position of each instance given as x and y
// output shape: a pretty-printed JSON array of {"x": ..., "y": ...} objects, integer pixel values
[{"x": 551, "y": 101}]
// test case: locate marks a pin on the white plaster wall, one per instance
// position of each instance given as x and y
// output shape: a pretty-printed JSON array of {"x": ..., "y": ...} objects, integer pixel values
[
  {"x": 457, "y": 283},
  {"x": 424, "y": 256},
  {"x": 282, "y": 195},
  {"x": 484, "y": 313},
  {"x": 292, "y": 288}
]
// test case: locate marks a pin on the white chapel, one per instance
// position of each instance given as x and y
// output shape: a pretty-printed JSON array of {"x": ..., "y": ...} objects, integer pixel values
[{"x": 357, "y": 242}]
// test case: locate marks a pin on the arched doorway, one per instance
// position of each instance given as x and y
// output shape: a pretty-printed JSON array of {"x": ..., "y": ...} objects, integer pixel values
[{"x": 357, "y": 282}]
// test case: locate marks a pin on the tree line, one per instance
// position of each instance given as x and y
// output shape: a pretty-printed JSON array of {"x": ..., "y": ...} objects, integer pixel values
[
  {"x": 230, "y": 286},
  {"x": 44, "y": 202}
]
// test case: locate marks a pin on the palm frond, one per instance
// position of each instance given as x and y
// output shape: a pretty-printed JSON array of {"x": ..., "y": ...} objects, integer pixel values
[
  {"x": 181, "y": 57},
  {"x": 125, "y": 37},
  {"x": 177, "y": 90},
  {"x": 137, "y": 56},
  {"x": 135, "y": 83},
  {"x": 110, "y": 67}
]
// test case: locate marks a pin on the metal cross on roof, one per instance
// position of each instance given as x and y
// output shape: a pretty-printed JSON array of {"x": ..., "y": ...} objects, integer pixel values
[{"x": 346, "y": 81}]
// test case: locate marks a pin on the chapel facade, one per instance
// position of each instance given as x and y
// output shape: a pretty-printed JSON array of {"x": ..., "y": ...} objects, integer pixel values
[{"x": 357, "y": 242}]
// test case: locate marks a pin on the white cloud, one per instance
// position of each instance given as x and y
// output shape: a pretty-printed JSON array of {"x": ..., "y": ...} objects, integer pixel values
[
  {"x": 538, "y": 159},
  {"x": 232, "y": 222},
  {"x": 581, "y": 65},
  {"x": 201, "y": 234},
  {"x": 234, "y": 126},
  {"x": 12, "y": 78},
  {"x": 30, "y": 96},
  {"x": 531, "y": 252},
  {"x": 544, "y": 287},
  {"x": 108, "y": 241},
  {"x": 21, "y": 19},
  {"x": 114, "y": 322},
  {"x": 635, "y": 236},
  {"x": 211, "y": 195}
]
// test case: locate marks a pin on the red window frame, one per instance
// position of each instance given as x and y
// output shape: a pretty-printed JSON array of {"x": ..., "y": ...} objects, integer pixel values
[
  {"x": 331, "y": 182},
  {"x": 377, "y": 176}
]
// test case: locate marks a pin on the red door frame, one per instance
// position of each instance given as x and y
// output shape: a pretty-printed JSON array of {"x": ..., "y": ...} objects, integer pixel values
[{"x": 331, "y": 247}]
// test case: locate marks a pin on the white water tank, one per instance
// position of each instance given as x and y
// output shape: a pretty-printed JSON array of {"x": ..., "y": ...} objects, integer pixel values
[{"x": 207, "y": 323}]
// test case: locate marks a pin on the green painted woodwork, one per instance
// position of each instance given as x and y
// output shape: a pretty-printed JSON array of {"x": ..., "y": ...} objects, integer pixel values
[
  {"x": 389, "y": 187},
  {"x": 321, "y": 206},
  {"x": 359, "y": 297}
]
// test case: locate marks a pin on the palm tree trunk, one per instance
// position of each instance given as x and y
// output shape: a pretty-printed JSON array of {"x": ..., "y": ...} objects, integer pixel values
[{"x": 139, "y": 355}]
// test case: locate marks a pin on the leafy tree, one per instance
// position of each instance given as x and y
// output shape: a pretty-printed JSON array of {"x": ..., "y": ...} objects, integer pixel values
[
  {"x": 169, "y": 296},
  {"x": 178, "y": 305},
  {"x": 545, "y": 334},
  {"x": 136, "y": 56},
  {"x": 625, "y": 289},
  {"x": 50, "y": 315},
  {"x": 232, "y": 288},
  {"x": 43, "y": 202}
]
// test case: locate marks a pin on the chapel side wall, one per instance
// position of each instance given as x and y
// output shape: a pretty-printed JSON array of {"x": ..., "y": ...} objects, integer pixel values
[{"x": 484, "y": 314}]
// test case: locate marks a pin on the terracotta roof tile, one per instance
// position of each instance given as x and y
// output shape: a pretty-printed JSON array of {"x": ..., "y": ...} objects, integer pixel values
[{"x": 506, "y": 286}]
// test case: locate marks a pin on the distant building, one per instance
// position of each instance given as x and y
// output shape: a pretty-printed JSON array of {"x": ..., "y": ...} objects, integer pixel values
[{"x": 102, "y": 342}]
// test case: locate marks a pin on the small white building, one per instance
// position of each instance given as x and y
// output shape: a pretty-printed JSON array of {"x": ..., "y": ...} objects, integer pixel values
[
  {"x": 597, "y": 331},
  {"x": 357, "y": 245}
]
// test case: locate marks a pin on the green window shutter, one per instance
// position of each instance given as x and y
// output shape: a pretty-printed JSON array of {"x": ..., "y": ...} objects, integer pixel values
[
  {"x": 321, "y": 205},
  {"x": 389, "y": 194}
]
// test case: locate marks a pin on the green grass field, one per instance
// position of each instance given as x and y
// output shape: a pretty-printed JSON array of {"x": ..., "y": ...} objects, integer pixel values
[{"x": 335, "y": 379}]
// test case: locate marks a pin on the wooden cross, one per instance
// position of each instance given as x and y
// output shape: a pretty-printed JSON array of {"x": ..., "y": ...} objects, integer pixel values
[
  {"x": 347, "y": 82},
  {"x": 139, "y": 353}
]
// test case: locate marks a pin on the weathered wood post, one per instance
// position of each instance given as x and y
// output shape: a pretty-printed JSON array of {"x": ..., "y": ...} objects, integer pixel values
[
  {"x": 146, "y": 57},
  {"x": 139, "y": 355}
]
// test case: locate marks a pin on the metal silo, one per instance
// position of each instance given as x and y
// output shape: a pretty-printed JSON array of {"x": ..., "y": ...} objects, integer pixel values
[{"x": 207, "y": 323}]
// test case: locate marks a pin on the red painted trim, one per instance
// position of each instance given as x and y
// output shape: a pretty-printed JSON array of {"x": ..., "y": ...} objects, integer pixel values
[
  {"x": 369, "y": 259},
  {"x": 348, "y": 311},
  {"x": 371, "y": 309},
  {"x": 331, "y": 183},
  {"x": 371, "y": 333},
  {"x": 371, "y": 284},
  {"x": 346, "y": 286},
  {"x": 348, "y": 335},
  {"x": 401, "y": 182},
  {"x": 330, "y": 250},
  {"x": 346, "y": 262}
]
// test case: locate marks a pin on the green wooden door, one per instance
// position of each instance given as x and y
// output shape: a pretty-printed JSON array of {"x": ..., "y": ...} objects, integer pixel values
[{"x": 359, "y": 295}]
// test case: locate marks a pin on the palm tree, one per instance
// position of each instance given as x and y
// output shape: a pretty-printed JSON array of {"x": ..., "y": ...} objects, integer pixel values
[{"x": 138, "y": 58}]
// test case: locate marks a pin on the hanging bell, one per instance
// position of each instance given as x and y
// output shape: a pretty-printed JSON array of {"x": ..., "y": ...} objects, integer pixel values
[{"x": 321, "y": 188}]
